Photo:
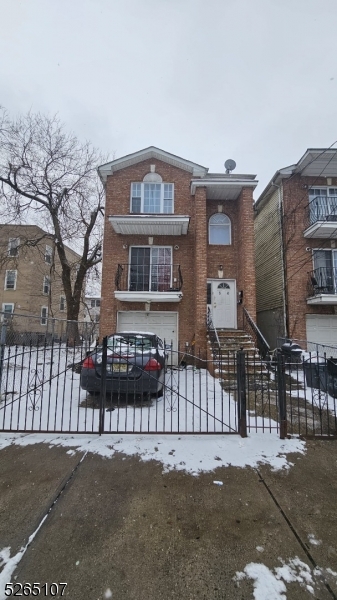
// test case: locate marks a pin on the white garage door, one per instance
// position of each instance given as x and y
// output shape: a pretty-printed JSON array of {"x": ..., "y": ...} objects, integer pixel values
[
  {"x": 164, "y": 324},
  {"x": 322, "y": 329}
]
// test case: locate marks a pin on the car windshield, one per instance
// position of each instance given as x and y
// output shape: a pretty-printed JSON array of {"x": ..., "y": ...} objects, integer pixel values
[{"x": 129, "y": 343}]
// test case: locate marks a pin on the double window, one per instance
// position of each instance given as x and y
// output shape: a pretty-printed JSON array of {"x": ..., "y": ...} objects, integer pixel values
[
  {"x": 219, "y": 230},
  {"x": 150, "y": 269},
  {"x": 95, "y": 302},
  {"x": 10, "y": 280},
  {"x": 152, "y": 198},
  {"x": 323, "y": 204}
]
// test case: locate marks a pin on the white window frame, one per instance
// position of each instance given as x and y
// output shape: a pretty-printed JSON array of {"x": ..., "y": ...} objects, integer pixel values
[
  {"x": 12, "y": 246},
  {"x": 15, "y": 279},
  {"x": 48, "y": 256},
  {"x": 150, "y": 265},
  {"x": 46, "y": 283},
  {"x": 162, "y": 194},
  {"x": 64, "y": 303},
  {"x": 228, "y": 224},
  {"x": 333, "y": 253},
  {"x": 11, "y": 304},
  {"x": 44, "y": 319}
]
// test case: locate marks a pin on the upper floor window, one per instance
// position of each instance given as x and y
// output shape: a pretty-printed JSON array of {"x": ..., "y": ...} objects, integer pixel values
[
  {"x": 10, "y": 280},
  {"x": 95, "y": 303},
  {"x": 219, "y": 229},
  {"x": 62, "y": 303},
  {"x": 46, "y": 285},
  {"x": 323, "y": 204},
  {"x": 13, "y": 246},
  {"x": 152, "y": 198},
  {"x": 48, "y": 255}
]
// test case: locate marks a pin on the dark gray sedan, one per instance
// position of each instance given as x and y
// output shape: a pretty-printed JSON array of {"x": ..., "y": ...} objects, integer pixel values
[{"x": 135, "y": 365}]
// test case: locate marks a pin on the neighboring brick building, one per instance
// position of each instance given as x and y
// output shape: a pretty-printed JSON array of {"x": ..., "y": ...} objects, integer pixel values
[
  {"x": 177, "y": 241},
  {"x": 296, "y": 252},
  {"x": 31, "y": 275}
]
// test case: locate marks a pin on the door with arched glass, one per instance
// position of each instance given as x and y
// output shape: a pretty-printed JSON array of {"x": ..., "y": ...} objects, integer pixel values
[{"x": 222, "y": 303}]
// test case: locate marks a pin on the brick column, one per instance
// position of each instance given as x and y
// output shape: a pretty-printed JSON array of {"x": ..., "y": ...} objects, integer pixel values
[
  {"x": 200, "y": 270},
  {"x": 246, "y": 253}
]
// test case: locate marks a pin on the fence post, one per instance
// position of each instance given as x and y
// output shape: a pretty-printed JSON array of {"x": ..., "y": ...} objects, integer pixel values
[
  {"x": 103, "y": 386},
  {"x": 241, "y": 385},
  {"x": 281, "y": 388},
  {"x": 2, "y": 346}
]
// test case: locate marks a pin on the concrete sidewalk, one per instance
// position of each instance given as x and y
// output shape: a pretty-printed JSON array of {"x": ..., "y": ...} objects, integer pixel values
[{"x": 121, "y": 525}]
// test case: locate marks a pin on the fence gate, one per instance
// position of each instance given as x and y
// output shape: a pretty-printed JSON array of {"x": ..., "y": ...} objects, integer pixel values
[{"x": 40, "y": 391}]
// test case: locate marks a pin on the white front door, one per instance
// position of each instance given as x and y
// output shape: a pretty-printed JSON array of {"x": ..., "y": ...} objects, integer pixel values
[{"x": 223, "y": 303}]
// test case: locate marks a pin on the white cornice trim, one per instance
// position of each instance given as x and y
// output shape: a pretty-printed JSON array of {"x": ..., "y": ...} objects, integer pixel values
[
  {"x": 226, "y": 183},
  {"x": 150, "y": 153}
]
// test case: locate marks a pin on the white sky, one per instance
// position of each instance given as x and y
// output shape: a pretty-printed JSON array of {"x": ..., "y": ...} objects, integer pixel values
[{"x": 252, "y": 80}]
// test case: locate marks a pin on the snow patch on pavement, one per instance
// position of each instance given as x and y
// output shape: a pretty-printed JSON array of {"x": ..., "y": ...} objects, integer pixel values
[
  {"x": 192, "y": 454},
  {"x": 9, "y": 563},
  {"x": 271, "y": 584}
]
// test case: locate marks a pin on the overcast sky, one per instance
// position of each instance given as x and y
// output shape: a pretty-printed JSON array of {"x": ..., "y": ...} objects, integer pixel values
[{"x": 252, "y": 80}]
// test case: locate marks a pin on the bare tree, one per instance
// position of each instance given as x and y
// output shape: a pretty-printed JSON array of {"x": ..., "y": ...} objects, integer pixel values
[{"x": 49, "y": 177}]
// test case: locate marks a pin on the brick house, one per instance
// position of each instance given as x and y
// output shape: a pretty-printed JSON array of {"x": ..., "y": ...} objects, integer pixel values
[
  {"x": 31, "y": 276},
  {"x": 178, "y": 241},
  {"x": 296, "y": 252}
]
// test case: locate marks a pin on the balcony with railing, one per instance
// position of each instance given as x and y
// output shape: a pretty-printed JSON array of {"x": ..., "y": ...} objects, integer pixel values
[
  {"x": 322, "y": 286},
  {"x": 321, "y": 217},
  {"x": 148, "y": 283}
]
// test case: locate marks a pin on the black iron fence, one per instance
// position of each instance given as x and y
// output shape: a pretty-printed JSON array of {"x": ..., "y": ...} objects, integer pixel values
[
  {"x": 41, "y": 390},
  {"x": 321, "y": 208},
  {"x": 322, "y": 280},
  {"x": 252, "y": 329}
]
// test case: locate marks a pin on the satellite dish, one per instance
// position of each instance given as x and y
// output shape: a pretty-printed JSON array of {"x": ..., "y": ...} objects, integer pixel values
[{"x": 230, "y": 165}]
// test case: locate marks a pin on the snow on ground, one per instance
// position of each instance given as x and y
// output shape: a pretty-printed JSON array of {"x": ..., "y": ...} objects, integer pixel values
[
  {"x": 193, "y": 454},
  {"x": 193, "y": 401},
  {"x": 271, "y": 584},
  {"x": 9, "y": 563}
]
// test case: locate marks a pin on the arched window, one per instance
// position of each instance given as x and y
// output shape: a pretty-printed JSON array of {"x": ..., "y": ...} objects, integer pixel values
[{"x": 219, "y": 229}]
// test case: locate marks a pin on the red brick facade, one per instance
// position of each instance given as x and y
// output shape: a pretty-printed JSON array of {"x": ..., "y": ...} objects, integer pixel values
[
  {"x": 298, "y": 255},
  {"x": 198, "y": 260}
]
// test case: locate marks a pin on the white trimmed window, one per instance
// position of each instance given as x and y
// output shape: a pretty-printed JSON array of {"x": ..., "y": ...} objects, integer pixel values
[
  {"x": 95, "y": 303},
  {"x": 44, "y": 315},
  {"x": 10, "y": 280},
  {"x": 152, "y": 198},
  {"x": 219, "y": 230},
  {"x": 13, "y": 246},
  {"x": 46, "y": 285},
  {"x": 8, "y": 308},
  {"x": 48, "y": 255},
  {"x": 62, "y": 303}
]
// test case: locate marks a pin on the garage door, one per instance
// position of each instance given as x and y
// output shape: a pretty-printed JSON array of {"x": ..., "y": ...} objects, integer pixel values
[
  {"x": 322, "y": 329},
  {"x": 164, "y": 324}
]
